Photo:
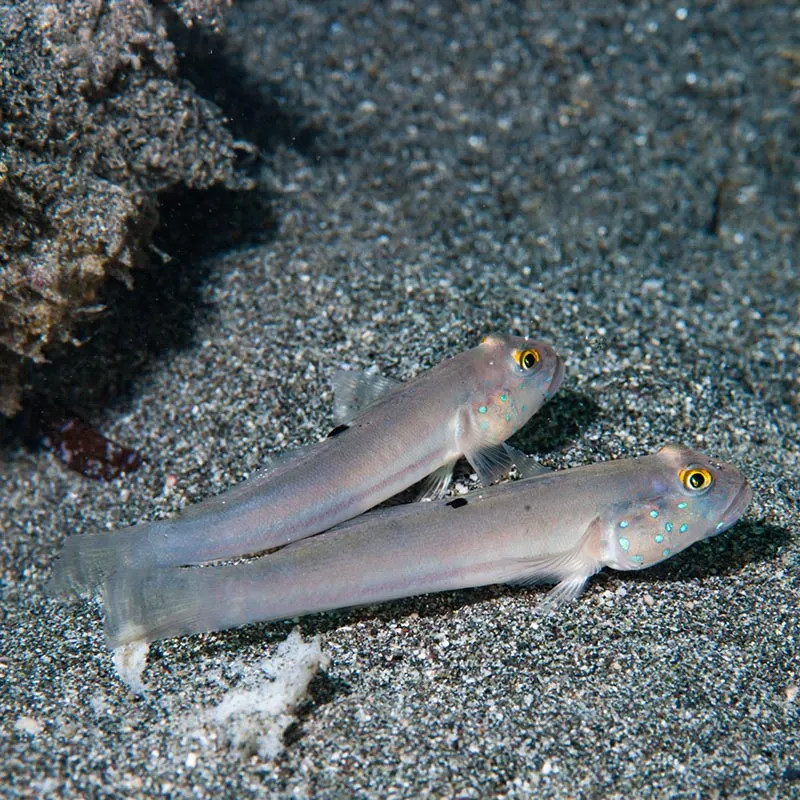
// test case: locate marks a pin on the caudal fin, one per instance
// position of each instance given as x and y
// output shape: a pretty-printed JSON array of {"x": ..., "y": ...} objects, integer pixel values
[
  {"x": 89, "y": 559},
  {"x": 144, "y": 605}
]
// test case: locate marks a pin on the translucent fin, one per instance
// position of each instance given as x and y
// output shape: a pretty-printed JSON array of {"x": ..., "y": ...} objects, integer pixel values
[
  {"x": 561, "y": 593},
  {"x": 527, "y": 466},
  {"x": 88, "y": 559},
  {"x": 355, "y": 391},
  {"x": 491, "y": 462},
  {"x": 435, "y": 485},
  {"x": 146, "y": 605},
  {"x": 555, "y": 568},
  {"x": 569, "y": 570}
]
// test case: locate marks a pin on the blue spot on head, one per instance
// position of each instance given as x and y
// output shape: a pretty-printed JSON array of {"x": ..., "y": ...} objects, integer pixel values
[
  {"x": 623, "y": 524},
  {"x": 508, "y": 417},
  {"x": 668, "y": 527},
  {"x": 666, "y": 552},
  {"x": 659, "y": 538},
  {"x": 654, "y": 513},
  {"x": 523, "y": 407},
  {"x": 682, "y": 505},
  {"x": 484, "y": 425},
  {"x": 624, "y": 543},
  {"x": 503, "y": 398},
  {"x": 684, "y": 528},
  {"x": 636, "y": 559},
  {"x": 481, "y": 409}
]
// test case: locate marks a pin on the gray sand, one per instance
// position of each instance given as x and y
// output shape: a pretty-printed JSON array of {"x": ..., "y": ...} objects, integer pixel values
[{"x": 623, "y": 182}]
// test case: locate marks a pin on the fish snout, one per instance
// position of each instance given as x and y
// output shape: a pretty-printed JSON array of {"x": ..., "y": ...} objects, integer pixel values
[
  {"x": 558, "y": 375},
  {"x": 735, "y": 508}
]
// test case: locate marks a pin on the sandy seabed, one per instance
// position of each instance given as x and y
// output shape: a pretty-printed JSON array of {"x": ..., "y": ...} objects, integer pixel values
[{"x": 623, "y": 182}]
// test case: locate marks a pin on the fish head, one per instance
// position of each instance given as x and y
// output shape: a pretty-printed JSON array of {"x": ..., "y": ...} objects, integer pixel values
[
  {"x": 694, "y": 497},
  {"x": 517, "y": 377}
]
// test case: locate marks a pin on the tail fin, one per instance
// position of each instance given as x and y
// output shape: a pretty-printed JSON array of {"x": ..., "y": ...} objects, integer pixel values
[
  {"x": 88, "y": 559},
  {"x": 143, "y": 605}
]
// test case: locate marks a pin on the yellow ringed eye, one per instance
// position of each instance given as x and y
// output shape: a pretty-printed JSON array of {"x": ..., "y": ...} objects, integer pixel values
[
  {"x": 527, "y": 359},
  {"x": 695, "y": 479}
]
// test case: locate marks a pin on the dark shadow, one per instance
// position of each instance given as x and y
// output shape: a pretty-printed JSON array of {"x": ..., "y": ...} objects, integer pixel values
[
  {"x": 257, "y": 111},
  {"x": 559, "y": 422},
  {"x": 148, "y": 323},
  {"x": 322, "y": 690},
  {"x": 195, "y": 224},
  {"x": 158, "y": 316},
  {"x": 791, "y": 774}
]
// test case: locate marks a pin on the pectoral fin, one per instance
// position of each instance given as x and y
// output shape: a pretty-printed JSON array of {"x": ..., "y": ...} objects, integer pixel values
[
  {"x": 491, "y": 462},
  {"x": 527, "y": 466},
  {"x": 562, "y": 593},
  {"x": 355, "y": 391},
  {"x": 435, "y": 485},
  {"x": 494, "y": 462},
  {"x": 569, "y": 570}
]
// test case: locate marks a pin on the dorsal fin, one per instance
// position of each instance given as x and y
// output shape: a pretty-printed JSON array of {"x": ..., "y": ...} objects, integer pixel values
[{"x": 355, "y": 391}]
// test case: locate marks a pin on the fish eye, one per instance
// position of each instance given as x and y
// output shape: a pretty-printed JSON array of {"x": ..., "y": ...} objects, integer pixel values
[
  {"x": 527, "y": 359},
  {"x": 696, "y": 479}
]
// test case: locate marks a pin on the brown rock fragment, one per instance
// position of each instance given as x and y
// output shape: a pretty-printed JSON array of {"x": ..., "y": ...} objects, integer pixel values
[{"x": 95, "y": 122}]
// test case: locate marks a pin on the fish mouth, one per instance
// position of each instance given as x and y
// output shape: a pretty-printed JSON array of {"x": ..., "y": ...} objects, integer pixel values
[
  {"x": 736, "y": 508},
  {"x": 558, "y": 377}
]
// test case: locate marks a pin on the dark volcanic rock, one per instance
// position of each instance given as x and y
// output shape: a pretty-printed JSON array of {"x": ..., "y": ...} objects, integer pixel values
[{"x": 94, "y": 123}]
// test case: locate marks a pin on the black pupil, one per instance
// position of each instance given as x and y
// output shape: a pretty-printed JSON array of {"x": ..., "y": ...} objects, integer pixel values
[
  {"x": 696, "y": 480},
  {"x": 528, "y": 360}
]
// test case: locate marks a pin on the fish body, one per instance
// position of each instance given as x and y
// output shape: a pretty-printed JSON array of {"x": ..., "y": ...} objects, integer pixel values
[
  {"x": 467, "y": 405},
  {"x": 561, "y": 527}
]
